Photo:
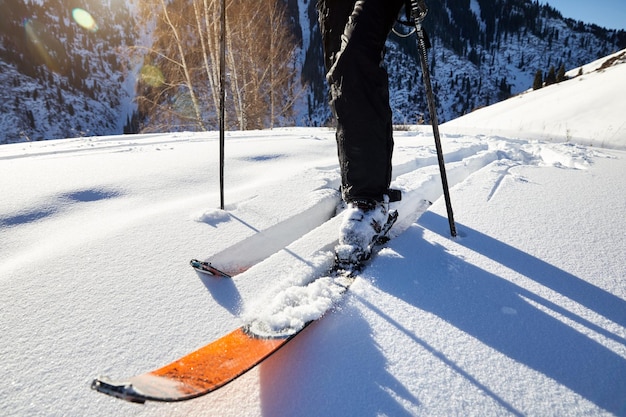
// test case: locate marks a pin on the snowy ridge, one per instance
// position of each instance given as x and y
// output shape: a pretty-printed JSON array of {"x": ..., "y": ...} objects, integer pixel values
[
  {"x": 523, "y": 314},
  {"x": 553, "y": 113}
]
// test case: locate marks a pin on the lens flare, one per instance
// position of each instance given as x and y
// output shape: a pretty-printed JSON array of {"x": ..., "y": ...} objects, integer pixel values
[
  {"x": 43, "y": 47},
  {"x": 84, "y": 19},
  {"x": 152, "y": 76}
]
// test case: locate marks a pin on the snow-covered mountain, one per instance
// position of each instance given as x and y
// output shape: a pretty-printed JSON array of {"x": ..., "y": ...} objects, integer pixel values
[
  {"x": 483, "y": 51},
  {"x": 523, "y": 314},
  {"x": 62, "y": 79}
]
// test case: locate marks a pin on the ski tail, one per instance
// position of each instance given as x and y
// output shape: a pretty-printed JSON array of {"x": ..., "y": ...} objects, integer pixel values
[{"x": 120, "y": 390}]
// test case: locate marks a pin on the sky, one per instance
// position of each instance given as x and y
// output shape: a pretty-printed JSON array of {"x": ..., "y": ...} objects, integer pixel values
[{"x": 607, "y": 13}]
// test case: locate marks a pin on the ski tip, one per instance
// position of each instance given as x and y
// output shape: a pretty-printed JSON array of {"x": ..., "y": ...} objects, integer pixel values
[
  {"x": 195, "y": 264},
  {"x": 206, "y": 268},
  {"x": 123, "y": 391}
]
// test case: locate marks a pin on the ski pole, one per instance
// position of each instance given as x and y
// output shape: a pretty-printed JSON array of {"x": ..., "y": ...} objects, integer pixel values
[
  {"x": 418, "y": 13},
  {"x": 222, "y": 95}
]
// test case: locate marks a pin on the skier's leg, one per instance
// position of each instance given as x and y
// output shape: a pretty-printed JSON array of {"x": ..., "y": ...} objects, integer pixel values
[
  {"x": 360, "y": 92},
  {"x": 333, "y": 16},
  {"x": 354, "y": 35}
]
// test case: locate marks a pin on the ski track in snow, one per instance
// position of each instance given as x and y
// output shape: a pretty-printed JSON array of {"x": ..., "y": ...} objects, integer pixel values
[{"x": 294, "y": 302}]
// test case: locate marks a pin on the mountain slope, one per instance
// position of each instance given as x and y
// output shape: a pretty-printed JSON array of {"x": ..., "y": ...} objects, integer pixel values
[
  {"x": 483, "y": 51},
  {"x": 66, "y": 80},
  {"x": 558, "y": 118},
  {"x": 61, "y": 79}
]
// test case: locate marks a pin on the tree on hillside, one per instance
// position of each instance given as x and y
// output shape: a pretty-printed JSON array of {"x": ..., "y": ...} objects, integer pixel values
[
  {"x": 551, "y": 76},
  {"x": 261, "y": 58},
  {"x": 179, "y": 85},
  {"x": 560, "y": 75},
  {"x": 538, "y": 81}
]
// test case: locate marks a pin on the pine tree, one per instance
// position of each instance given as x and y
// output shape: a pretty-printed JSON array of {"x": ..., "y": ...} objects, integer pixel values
[
  {"x": 551, "y": 77},
  {"x": 505, "y": 89},
  {"x": 560, "y": 75},
  {"x": 31, "y": 118},
  {"x": 538, "y": 81}
]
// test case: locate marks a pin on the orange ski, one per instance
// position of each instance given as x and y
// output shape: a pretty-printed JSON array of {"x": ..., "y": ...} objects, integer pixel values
[{"x": 197, "y": 373}]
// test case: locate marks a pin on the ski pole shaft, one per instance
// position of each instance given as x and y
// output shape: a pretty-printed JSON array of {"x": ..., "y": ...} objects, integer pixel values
[
  {"x": 419, "y": 11},
  {"x": 222, "y": 96}
]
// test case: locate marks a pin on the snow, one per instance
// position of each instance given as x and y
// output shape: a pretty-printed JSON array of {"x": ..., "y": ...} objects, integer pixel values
[
  {"x": 524, "y": 313},
  {"x": 571, "y": 113}
]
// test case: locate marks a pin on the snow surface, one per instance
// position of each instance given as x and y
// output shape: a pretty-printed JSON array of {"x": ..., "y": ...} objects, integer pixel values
[
  {"x": 523, "y": 314},
  {"x": 567, "y": 112}
]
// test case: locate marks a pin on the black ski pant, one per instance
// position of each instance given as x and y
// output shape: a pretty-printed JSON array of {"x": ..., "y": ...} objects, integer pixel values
[{"x": 353, "y": 35}]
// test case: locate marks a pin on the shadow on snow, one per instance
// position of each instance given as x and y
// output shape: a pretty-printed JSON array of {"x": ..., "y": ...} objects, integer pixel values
[{"x": 473, "y": 300}]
